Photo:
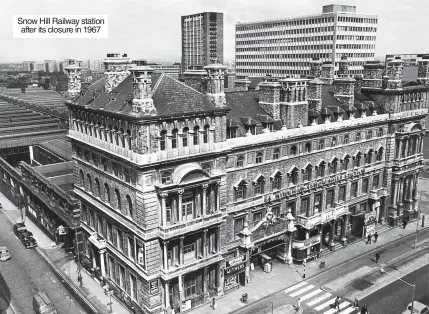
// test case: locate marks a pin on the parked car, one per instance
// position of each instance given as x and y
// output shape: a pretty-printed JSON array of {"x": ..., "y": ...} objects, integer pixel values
[
  {"x": 18, "y": 228},
  {"x": 4, "y": 253},
  {"x": 29, "y": 242},
  {"x": 42, "y": 304},
  {"x": 418, "y": 308},
  {"x": 25, "y": 234}
]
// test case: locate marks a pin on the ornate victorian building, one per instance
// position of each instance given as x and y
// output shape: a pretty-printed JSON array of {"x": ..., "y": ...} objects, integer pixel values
[{"x": 183, "y": 188}]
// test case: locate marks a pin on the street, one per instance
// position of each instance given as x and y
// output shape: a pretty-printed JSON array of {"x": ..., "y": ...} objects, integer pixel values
[{"x": 25, "y": 274}]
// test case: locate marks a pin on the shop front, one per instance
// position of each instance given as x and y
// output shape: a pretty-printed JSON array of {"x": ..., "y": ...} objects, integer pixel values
[
  {"x": 369, "y": 223},
  {"x": 235, "y": 273},
  {"x": 306, "y": 249}
]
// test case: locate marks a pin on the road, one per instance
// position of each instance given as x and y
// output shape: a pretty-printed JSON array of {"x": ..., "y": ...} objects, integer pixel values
[
  {"x": 398, "y": 294},
  {"x": 311, "y": 289},
  {"x": 26, "y": 274}
]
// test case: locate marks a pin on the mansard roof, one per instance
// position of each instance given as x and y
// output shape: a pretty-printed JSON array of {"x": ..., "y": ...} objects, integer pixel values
[{"x": 170, "y": 97}]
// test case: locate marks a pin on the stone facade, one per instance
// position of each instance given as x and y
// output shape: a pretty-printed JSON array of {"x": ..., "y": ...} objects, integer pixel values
[
  {"x": 327, "y": 74},
  {"x": 73, "y": 72},
  {"x": 116, "y": 70}
]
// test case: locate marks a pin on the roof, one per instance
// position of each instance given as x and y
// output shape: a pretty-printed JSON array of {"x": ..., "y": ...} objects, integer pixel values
[
  {"x": 60, "y": 147},
  {"x": 169, "y": 95}
]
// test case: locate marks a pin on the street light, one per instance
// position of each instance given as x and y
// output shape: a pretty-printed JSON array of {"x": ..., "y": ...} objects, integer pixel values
[
  {"x": 417, "y": 222},
  {"x": 412, "y": 286}
]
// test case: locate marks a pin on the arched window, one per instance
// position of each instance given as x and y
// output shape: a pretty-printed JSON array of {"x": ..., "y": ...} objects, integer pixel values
[
  {"x": 308, "y": 147},
  {"x": 276, "y": 154},
  {"x": 294, "y": 177},
  {"x": 88, "y": 183},
  {"x": 97, "y": 188},
  {"x": 166, "y": 178},
  {"x": 334, "y": 142},
  {"x": 240, "y": 161},
  {"x": 321, "y": 169},
  {"x": 380, "y": 154},
  {"x": 207, "y": 169},
  {"x": 306, "y": 172},
  {"x": 206, "y": 134},
  {"x": 185, "y": 137},
  {"x": 333, "y": 166},
  {"x": 196, "y": 135},
  {"x": 82, "y": 179},
  {"x": 259, "y": 186},
  {"x": 174, "y": 138},
  {"x": 368, "y": 157},
  {"x": 293, "y": 150},
  {"x": 162, "y": 139},
  {"x": 240, "y": 191},
  {"x": 356, "y": 160},
  {"x": 106, "y": 193},
  {"x": 321, "y": 144},
  {"x": 259, "y": 158},
  {"x": 346, "y": 139},
  {"x": 129, "y": 205},
  {"x": 277, "y": 181},
  {"x": 345, "y": 163},
  {"x": 118, "y": 199}
]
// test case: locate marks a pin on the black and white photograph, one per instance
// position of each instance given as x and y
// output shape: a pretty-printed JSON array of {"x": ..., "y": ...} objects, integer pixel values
[{"x": 225, "y": 157}]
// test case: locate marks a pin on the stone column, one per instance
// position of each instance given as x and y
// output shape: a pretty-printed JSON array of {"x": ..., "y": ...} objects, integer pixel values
[
  {"x": 164, "y": 209},
  {"x": 407, "y": 139},
  {"x": 395, "y": 192},
  {"x": 127, "y": 141},
  {"x": 181, "y": 255},
  {"x": 102, "y": 263},
  {"x": 180, "y": 194},
  {"x": 289, "y": 250},
  {"x": 165, "y": 255},
  {"x": 401, "y": 191},
  {"x": 94, "y": 261},
  {"x": 218, "y": 197},
  {"x": 167, "y": 295},
  {"x": 343, "y": 234},
  {"x": 204, "y": 201},
  {"x": 331, "y": 235},
  {"x": 205, "y": 279},
  {"x": 400, "y": 149},
  {"x": 181, "y": 296},
  {"x": 218, "y": 248},
  {"x": 219, "y": 279},
  {"x": 204, "y": 242}
]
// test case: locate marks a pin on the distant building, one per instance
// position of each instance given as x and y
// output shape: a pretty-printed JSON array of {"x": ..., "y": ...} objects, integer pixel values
[
  {"x": 95, "y": 65},
  {"x": 29, "y": 65},
  {"x": 202, "y": 39},
  {"x": 285, "y": 47},
  {"x": 50, "y": 66},
  {"x": 171, "y": 69}
]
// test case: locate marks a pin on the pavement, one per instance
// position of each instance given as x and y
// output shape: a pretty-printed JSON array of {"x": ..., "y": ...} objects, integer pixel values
[{"x": 92, "y": 293}]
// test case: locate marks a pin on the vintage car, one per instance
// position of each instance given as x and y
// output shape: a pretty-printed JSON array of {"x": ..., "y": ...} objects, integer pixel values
[
  {"x": 418, "y": 308},
  {"x": 25, "y": 234},
  {"x": 19, "y": 228},
  {"x": 4, "y": 253},
  {"x": 42, "y": 304},
  {"x": 29, "y": 242}
]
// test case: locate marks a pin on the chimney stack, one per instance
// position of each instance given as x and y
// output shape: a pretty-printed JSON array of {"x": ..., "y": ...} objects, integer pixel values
[
  {"x": 195, "y": 77},
  {"x": 73, "y": 72},
  {"x": 142, "y": 88},
  {"x": 344, "y": 90},
  {"x": 242, "y": 84},
  {"x": 269, "y": 97},
  {"x": 294, "y": 105},
  {"x": 328, "y": 71},
  {"x": 343, "y": 67},
  {"x": 372, "y": 75},
  {"x": 215, "y": 84},
  {"x": 396, "y": 68},
  {"x": 116, "y": 70},
  {"x": 315, "y": 68},
  {"x": 423, "y": 71}
]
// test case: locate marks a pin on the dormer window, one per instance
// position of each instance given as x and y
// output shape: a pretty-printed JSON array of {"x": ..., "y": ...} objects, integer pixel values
[
  {"x": 334, "y": 142},
  {"x": 174, "y": 138},
  {"x": 206, "y": 134},
  {"x": 357, "y": 137},
  {"x": 166, "y": 178},
  {"x": 368, "y": 134},
  {"x": 308, "y": 147},
  {"x": 231, "y": 132},
  {"x": 258, "y": 158},
  {"x": 346, "y": 139},
  {"x": 321, "y": 144},
  {"x": 196, "y": 135},
  {"x": 240, "y": 161},
  {"x": 293, "y": 150},
  {"x": 276, "y": 154}
]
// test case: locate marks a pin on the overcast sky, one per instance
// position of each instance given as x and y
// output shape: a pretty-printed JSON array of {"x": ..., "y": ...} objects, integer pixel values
[{"x": 150, "y": 29}]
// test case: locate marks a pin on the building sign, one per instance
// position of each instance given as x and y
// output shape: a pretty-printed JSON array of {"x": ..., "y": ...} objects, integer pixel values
[
  {"x": 307, "y": 243},
  {"x": 153, "y": 286},
  {"x": 318, "y": 183},
  {"x": 370, "y": 218},
  {"x": 234, "y": 270},
  {"x": 370, "y": 229},
  {"x": 236, "y": 261},
  {"x": 230, "y": 282}
]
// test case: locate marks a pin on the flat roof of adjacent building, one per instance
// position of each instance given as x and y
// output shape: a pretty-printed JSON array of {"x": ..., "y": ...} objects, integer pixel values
[{"x": 60, "y": 147}]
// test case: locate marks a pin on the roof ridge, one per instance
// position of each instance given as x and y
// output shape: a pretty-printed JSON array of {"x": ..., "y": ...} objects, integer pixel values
[{"x": 157, "y": 83}]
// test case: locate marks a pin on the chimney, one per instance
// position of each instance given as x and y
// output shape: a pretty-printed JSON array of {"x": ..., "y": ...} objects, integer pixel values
[
  {"x": 242, "y": 84},
  {"x": 372, "y": 75},
  {"x": 344, "y": 90},
  {"x": 195, "y": 77},
  {"x": 423, "y": 71},
  {"x": 315, "y": 68},
  {"x": 294, "y": 105},
  {"x": 327, "y": 75},
  {"x": 358, "y": 84},
  {"x": 215, "y": 84},
  {"x": 314, "y": 94},
  {"x": 116, "y": 70},
  {"x": 269, "y": 97},
  {"x": 142, "y": 88},
  {"x": 396, "y": 67},
  {"x": 73, "y": 72},
  {"x": 343, "y": 67}
]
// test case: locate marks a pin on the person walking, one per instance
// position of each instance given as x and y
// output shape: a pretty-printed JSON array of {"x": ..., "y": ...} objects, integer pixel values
[
  {"x": 377, "y": 257},
  {"x": 405, "y": 223},
  {"x": 356, "y": 303},
  {"x": 364, "y": 310},
  {"x": 375, "y": 237},
  {"x": 337, "y": 303},
  {"x": 369, "y": 239},
  {"x": 214, "y": 304}
]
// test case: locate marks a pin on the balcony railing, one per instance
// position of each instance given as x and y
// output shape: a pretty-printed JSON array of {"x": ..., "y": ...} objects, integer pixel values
[
  {"x": 321, "y": 218},
  {"x": 97, "y": 240}
]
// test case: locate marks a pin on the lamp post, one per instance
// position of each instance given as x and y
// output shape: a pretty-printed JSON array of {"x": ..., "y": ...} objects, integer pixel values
[
  {"x": 411, "y": 285},
  {"x": 290, "y": 228},
  {"x": 417, "y": 222}
]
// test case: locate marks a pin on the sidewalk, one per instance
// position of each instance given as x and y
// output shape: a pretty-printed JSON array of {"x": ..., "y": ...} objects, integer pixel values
[
  {"x": 65, "y": 263},
  {"x": 283, "y": 276}
]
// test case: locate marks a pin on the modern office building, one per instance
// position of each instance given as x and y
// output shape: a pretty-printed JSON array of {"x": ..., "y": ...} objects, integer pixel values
[
  {"x": 51, "y": 66},
  {"x": 172, "y": 70},
  {"x": 202, "y": 39},
  {"x": 29, "y": 65},
  {"x": 285, "y": 47}
]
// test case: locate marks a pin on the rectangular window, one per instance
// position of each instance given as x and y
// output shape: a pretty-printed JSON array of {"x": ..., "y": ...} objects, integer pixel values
[
  {"x": 342, "y": 193},
  {"x": 276, "y": 210},
  {"x": 305, "y": 202},
  {"x": 190, "y": 288},
  {"x": 318, "y": 202},
  {"x": 365, "y": 186},
  {"x": 120, "y": 241},
  {"x": 133, "y": 287},
  {"x": 189, "y": 249},
  {"x": 109, "y": 232},
  {"x": 257, "y": 217},
  {"x": 121, "y": 276},
  {"x": 131, "y": 252},
  {"x": 140, "y": 253},
  {"x": 376, "y": 181},
  {"x": 330, "y": 198},
  {"x": 354, "y": 189},
  {"x": 238, "y": 226},
  {"x": 111, "y": 266}
]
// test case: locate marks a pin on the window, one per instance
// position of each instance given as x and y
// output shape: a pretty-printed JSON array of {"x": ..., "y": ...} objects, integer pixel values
[
  {"x": 342, "y": 193},
  {"x": 346, "y": 139},
  {"x": 357, "y": 137},
  {"x": 238, "y": 226},
  {"x": 189, "y": 249},
  {"x": 307, "y": 173},
  {"x": 259, "y": 186},
  {"x": 166, "y": 178},
  {"x": 131, "y": 252},
  {"x": 376, "y": 181},
  {"x": 259, "y": 158},
  {"x": 187, "y": 206},
  {"x": 231, "y": 132},
  {"x": 356, "y": 160},
  {"x": 257, "y": 217},
  {"x": 97, "y": 188},
  {"x": 294, "y": 177},
  {"x": 330, "y": 198},
  {"x": 334, "y": 142},
  {"x": 368, "y": 157},
  {"x": 308, "y": 147},
  {"x": 82, "y": 178},
  {"x": 206, "y": 134},
  {"x": 122, "y": 276},
  {"x": 106, "y": 193},
  {"x": 118, "y": 199},
  {"x": 368, "y": 134},
  {"x": 276, "y": 210},
  {"x": 365, "y": 185},
  {"x": 240, "y": 161},
  {"x": 320, "y": 170},
  {"x": 120, "y": 240},
  {"x": 380, "y": 132},
  {"x": 111, "y": 267},
  {"x": 321, "y": 144},
  {"x": 140, "y": 253},
  {"x": 345, "y": 163},
  {"x": 305, "y": 202},
  {"x": 293, "y": 150},
  {"x": 354, "y": 189},
  {"x": 240, "y": 191},
  {"x": 380, "y": 154},
  {"x": 196, "y": 135},
  {"x": 276, "y": 154},
  {"x": 162, "y": 139},
  {"x": 129, "y": 206},
  {"x": 109, "y": 232},
  {"x": 190, "y": 287},
  {"x": 133, "y": 287},
  {"x": 185, "y": 137},
  {"x": 318, "y": 201},
  {"x": 277, "y": 181},
  {"x": 127, "y": 176},
  {"x": 174, "y": 138},
  {"x": 333, "y": 166},
  {"x": 105, "y": 166}
]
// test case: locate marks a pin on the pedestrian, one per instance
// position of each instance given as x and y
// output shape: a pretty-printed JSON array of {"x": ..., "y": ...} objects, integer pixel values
[
  {"x": 298, "y": 303},
  {"x": 214, "y": 305},
  {"x": 337, "y": 303},
  {"x": 369, "y": 238},
  {"x": 364, "y": 310},
  {"x": 377, "y": 257},
  {"x": 375, "y": 237},
  {"x": 405, "y": 223},
  {"x": 356, "y": 303}
]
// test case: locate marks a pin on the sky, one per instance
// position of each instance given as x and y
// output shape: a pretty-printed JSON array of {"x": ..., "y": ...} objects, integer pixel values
[{"x": 150, "y": 29}]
